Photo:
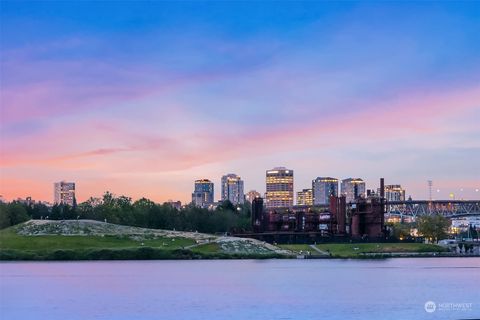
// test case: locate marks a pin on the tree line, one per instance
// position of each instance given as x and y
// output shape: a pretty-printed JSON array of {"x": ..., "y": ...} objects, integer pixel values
[{"x": 141, "y": 213}]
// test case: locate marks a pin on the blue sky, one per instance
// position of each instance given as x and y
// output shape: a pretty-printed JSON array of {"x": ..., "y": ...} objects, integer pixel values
[{"x": 141, "y": 98}]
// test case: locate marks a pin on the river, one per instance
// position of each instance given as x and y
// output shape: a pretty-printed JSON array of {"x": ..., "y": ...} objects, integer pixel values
[{"x": 242, "y": 289}]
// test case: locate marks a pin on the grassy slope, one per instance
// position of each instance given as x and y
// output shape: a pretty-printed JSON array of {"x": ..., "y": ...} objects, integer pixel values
[
  {"x": 10, "y": 240},
  {"x": 108, "y": 247}
]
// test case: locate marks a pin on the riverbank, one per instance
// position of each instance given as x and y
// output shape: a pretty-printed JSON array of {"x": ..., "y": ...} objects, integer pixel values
[
  {"x": 38, "y": 240},
  {"x": 367, "y": 250}
]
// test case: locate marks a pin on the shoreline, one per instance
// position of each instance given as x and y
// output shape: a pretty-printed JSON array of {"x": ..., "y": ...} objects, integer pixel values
[{"x": 149, "y": 253}]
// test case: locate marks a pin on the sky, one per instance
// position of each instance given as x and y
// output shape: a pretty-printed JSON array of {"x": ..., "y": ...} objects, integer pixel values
[{"x": 142, "y": 98}]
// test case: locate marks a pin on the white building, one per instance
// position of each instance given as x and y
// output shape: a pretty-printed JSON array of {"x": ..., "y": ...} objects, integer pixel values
[
  {"x": 394, "y": 192},
  {"x": 323, "y": 188},
  {"x": 352, "y": 188},
  {"x": 232, "y": 189},
  {"x": 64, "y": 193},
  {"x": 252, "y": 194},
  {"x": 279, "y": 186},
  {"x": 305, "y": 197}
]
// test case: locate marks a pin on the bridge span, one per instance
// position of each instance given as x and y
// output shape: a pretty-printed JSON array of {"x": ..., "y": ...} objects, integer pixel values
[{"x": 446, "y": 208}]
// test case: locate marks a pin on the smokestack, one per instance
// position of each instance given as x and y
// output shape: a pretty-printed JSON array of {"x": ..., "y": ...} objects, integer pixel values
[
  {"x": 382, "y": 203},
  {"x": 382, "y": 188}
]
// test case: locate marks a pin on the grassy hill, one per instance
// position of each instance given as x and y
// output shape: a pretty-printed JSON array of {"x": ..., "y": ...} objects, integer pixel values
[{"x": 94, "y": 240}]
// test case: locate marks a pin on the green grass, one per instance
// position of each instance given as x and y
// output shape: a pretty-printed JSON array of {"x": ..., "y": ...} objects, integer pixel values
[
  {"x": 299, "y": 248},
  {"x": 207, "y": 248},
  {"x": 347, "y": 250},
  {"x": 142, "y": 253},
  {"x": 9, "y": 240}
]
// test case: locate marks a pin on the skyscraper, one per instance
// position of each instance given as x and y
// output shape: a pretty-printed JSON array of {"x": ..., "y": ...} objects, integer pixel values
[
  {"x": 252, "y": 194},
  {"x": 232, "y": 189},
  {"x": 353, "y": 188},
  {"x": 323, "y": 188},
  {"x": 304, "y": 197},
  {"x": 279, "y": 183},
  {"x": 202, "y": 195},
  {"x": 394, "y": 192},
  {"x": 64, "y": 193}
]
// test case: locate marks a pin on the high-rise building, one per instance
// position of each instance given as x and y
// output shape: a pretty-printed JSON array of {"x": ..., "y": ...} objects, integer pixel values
[
  {"x": 64, "y": 193},
  {"x": 394, "y": 192},
  {"x": 323, "y": 188},
  {"x": 252, "y": 194},
  {"x": 305, "y": 197},
  {"x": 202, "y": 195},
  {"x": 279, "y": 182},
  {"x": 353, "y": 188},
  {"x": 232, "y": 189},
  {"x": 174, "y": 204}
]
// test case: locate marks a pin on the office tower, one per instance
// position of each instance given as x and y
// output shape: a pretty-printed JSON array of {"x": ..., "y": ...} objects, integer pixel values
[
  {"x": 305, "y": 197},
  {"x": 353, "y": 188},
  {"x": 202, "y": 196},
  {"x": 64, "y": 193},
  {"x": 394, "y": 192},
  {"x": 252, "y": 194},
  {"x": 323, "y": 188},
  {"x": 279, "y": 183},
  {"x": 232, "y": 189}
]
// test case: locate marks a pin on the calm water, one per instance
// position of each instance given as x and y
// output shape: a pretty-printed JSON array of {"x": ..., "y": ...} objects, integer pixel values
[{"x": 243, "y": 289}]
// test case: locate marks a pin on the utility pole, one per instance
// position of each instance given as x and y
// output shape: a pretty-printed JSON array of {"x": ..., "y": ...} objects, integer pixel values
[{"x": 430, "y": 185}]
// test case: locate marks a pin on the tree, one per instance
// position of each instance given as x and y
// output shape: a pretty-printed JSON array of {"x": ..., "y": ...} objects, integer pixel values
[
  {"x": 37, "y": 211},
  {"x": 4, "y": 219},
  {"x": 433, "y": 227},
  {"x": 12, "y": 213},
  {"x": 226, "y": 205},
  {"x": 400, "y": 230},
  {"x": 62, "y": 212},
  {"x": 143, "y": 213}
]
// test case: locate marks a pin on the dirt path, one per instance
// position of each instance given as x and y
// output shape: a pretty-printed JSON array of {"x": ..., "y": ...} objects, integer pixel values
[{"x": 323, "y": 253}]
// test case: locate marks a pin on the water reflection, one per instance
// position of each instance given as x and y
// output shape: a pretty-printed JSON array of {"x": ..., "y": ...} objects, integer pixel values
[{"x": 263, "y": 289}]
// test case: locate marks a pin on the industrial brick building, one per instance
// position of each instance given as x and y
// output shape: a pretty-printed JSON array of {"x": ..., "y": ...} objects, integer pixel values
[{"x": 361, "y": 220}]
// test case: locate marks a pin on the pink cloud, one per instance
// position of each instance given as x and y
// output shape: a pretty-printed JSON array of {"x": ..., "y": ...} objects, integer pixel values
[{"x": 93, "y": 148}]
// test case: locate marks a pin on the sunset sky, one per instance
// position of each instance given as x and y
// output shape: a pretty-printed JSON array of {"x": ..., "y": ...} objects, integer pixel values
[{"x": 142, "y": 98}]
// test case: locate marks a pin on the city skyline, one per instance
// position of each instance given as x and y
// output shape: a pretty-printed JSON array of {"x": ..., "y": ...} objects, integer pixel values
[
  {"x": 143, "y": 99},
  {"x": 393, "y": 192}
]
